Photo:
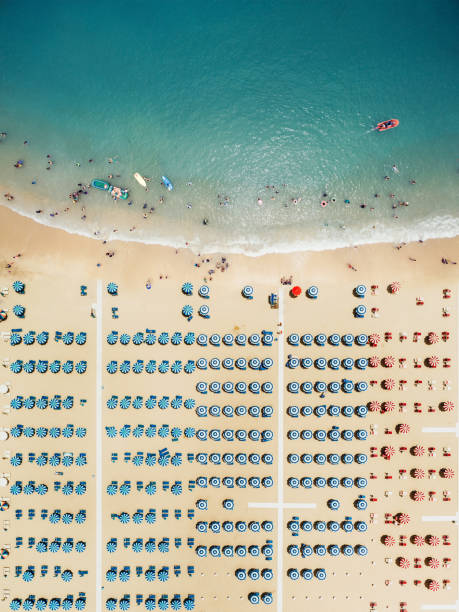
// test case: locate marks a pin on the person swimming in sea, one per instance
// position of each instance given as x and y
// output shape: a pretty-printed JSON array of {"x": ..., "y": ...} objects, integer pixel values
[{"x": 395, "y": 169}]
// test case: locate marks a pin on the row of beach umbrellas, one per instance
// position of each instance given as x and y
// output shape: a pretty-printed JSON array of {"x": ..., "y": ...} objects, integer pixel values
[
  {"x": 162, "y": 602},
  {"x": 321, "y": 363},
  {"x": 322, "y": 410},
  {"x": 68, "y": 431},
  {"x": 55, "y": 402},
  {"x": 28, "y": 338},
  {"x": 333, "y": 482},
  {"x": 306, "y": 550},
  {"x": 150, "y": 402},
  {"x": 66, "y": 459},
  {"x": 331, "y": 458},
  {"x": 68, "y": 488},
  {"x": 230, "y": 411},
  {"x": 176, "y": 338},
  {"x": 322, "y": 339},
  {"x": 230, "y": 458},
  {"x": 51, "y": 602},
  {"x": 189, "y": 367},
  {"x": 203, "y": 291},
  {"x": 230, "y": 387},
  {"x": 321, "y": 526},
  {"x": 334, "y": 434},
  {"x": 347, "y": 386},
  {"x": 42, "y": 366}
]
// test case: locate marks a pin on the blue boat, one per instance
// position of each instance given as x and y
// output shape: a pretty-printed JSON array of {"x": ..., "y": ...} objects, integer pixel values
[{"x": 167, "y": 184}]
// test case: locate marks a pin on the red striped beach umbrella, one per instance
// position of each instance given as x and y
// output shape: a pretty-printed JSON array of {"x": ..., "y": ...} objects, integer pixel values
[
  {"x": 389, "y": 540},
  {"x": 433, "y": 563},
  {"x": 395, "y": 287},
  {"x": 418, "y": 451},
  {"x": 433, "y": 361},
  {"x": 418, "y": 495},
  {"x": 388, "y": 452},
  {"x": 374, "y": 339},
  {"x": 374, "y": 361},
  {"x": 389, "y": 384},
  {"x": 419, "y": 540},
  {"x": 403, "y": 428},
  {"x": 447, "y": 406},
  {"x": 403, "y": 562},
  {"x": 389, "y": 361},
  {"x": 433, "y": 540},
  {"x": 433, "y": 585},
  {"x": 389, "y": 406},
  {"x": 433, "y": 338},
  {"x": 419, "y": 473},
  {"x": 447, "y": 473},
  {"x": 374, "y": 406},
  {"x": 403, "y": 518}
]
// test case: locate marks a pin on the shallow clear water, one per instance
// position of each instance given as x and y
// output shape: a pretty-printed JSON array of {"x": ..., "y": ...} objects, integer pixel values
[{"x": 233, "y": 97}]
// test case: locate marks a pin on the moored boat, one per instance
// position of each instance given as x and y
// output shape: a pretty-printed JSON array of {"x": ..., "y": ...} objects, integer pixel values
[
  {"x": 167, "y": 184},
  {"x": 387, "y": 125},
  {"x": 99, "y": 184}
]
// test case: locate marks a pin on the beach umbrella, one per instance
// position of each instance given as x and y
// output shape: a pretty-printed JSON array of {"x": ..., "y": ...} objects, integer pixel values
[
  {"x": 137, "y": 367},
  {"x": 347, "y": 339},
  {"x": 360, "y": 291},
  {"x": 150, "y": 338},
  {"x": 403, "y": 428},
  {"x": 163, "y": 338},
  {"x": 389, "y": 361},
  {"x": 15, "y": 339},
  {"x": 67, "y": 367},
  {"x": 418, "y": 540},
  {"x": 204, "y": 311},
  {"x": 176, "y": 338},
  {"x": 189, "y": 367},
  {"x": 150, "y": 402},
  {"x": 16, "y": 403},
  {"x": 419, "y": 473},
  {"x": 348, "y": 386},
  {"x": 67, "y": 575},
  {"x": 388, "y": 540},
  {"x": 388, "y": 406},
  {"x": 18, "y": 286},
  {"x": 125, "y": 367},
  {"x": 110, "y": 604},
  {"x": 433, "y": 563},
  {"x": 125, "y": 402},
  {"x": 395, "y": 287},
  {"x": 295, "y": 291},
  {"x": 293, "y": 363},
  {"x": 16, "y": 366},
  {"x": 374, "y": 339},
  {"x": 19, "y": 310},
  {"x": 433, "y": 338},
  {"x": 403, "y": 563},
  {"x": 29, "y": 338},
  {"x": 29, "y": 366},
  {"x": 42, "y": 337},
  {"x": 67, "y": 338},
  {"x": 55, "y": 366},
  {"x": 137, "y": 338},
  {"x": 374, "y": 362},
  {"x": 204, "y": 291},
  {"x": 189, "y": 337},
  {"x": 360, "y": 311},
  {"x": 29, "y": 403},
  {"x": 418, "y": 451},
  {"x": 112, "y": 288},
  {"x": 447, "y": 406},
  {"x": 42, "y": 402},
  {"x": 80, "y": 338},
  {"x": 16, "y": 604},
  {"x": 42, "y": 366},
  {"x": 150, "y": 603},
  {"x": 150, "y": 368},
  {"x": 388, "y": 451},
  {"x": 112, "y": 402},
  {"x": 320, "y": 339},
  {"x": 80, "y": 603},
  {"x": 433, "y": 540},
  {"x": 163, "y": 366},
  {"x": 247, "y": 291},
  {"x": 215, "y": 339},
  {"x": 433, "y": 361},
  {"x": 403, "y": 518},
  {"x": 80, "y": 367},
  {"x": 125, "y": 339},
  {"x": 176, "y": 489},
  {"x": 187, "y": 288},
  {"x": 418, "y": 496},
  {"x": 312, "y": 292},
  {"x": 176, "y": 402},
  {"x": 334, "y": 339},
  {"x": 389, "y": 384},
  {"x": 433, "y": 585},
  {"x": 348, "y": 363},
  {"x": 447, "y": 473},
  {"x": 361, "y": 363},
  {"x": 361, "y": 339}
]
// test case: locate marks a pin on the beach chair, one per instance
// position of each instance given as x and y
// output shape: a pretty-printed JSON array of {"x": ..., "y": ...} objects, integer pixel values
[
  {"x": 273, "y": 300},
  {"x": 83, "y": 290}
]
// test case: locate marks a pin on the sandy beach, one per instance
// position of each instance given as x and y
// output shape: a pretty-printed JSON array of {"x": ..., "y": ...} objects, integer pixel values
[{"x": 54, "y": 265}]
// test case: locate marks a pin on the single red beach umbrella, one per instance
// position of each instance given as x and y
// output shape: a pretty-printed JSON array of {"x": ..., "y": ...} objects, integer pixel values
[
  {"x": 389, "y": 361},
  {"x": 419, "y": 473},
  {"x": 418, "y": 451},
  {"x": 433, "y": 563},
  {"x": 403, "y": 518},
  {"x": 389, "y": 540},
  {"x": 388, "y": 406},
  {"x": 389, "y": 384},
  {"x": 296, "y": 291},
  {"x": 447, "y": 473},
  {"x": 374, "y": 362},
  {"x": 433, "y": 540},
  {"x": 433, "y": 361},
  {"x": 447, "y": 406},
  {"x": 418, "y": 495},
  {"x": 395, "y": 287},
  {"x": 419, "y": 540},
  {"x": 433, "y": 585},
  {"x": 388, "y": 452},
  {"x": 374, "y": 406},
  {"x": 374, "y": 339},
  {"x": 403, "y": 428},
  {"x": 403, "y": 563},
  {"x": 433, "y": 338}
]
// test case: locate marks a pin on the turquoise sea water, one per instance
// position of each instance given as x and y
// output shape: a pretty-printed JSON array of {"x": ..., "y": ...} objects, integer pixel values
[{"x": 234, "y": 96}]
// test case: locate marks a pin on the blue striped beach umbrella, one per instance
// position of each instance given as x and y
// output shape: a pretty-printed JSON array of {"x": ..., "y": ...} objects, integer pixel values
[
  {"x": 267, "y": 363},
  {"x": 150, "y": 337},
  {"x": 293, "y": 339},
  {"x": 176, "y": 338},
  {"x": 320, "y": 339},
  {"x": 125, "y": 402},
  {"x": 361, "y": 434},
  {"x": 347, "y": 339},
  {"x": 215, "y": 339},
  {"x": 306, "y": 387},
  {"x": 247, "y": 292},
  {"x": 360, "y": 291},
  {"x": 334, "y": 339},
  {"x": 204, "y": 291},
  {"x": 150, "y": 489},
  {"x": 80, "y": 338},
  {"x": 320, "y": 435},
  {"x": 254, "y": 363},
  {"x": 361, "y": 458},
  {"x": 361, "y": 526},
  {"x": 293, "y": 387},
  {"x": 360, "y": 311},
  {"x": 214, "y": 387},
  {"x": 150, "y": 368},
  {"x": 16, "y": 431},
  {"x": 189, "y": 338},
  {"x": 42, "y": 402},
  {"x": 112, "y": 337},
  {"x": 137, "y": 338},
  {"x": 163, "y": 366},
  {"x": 81, "y": 432},
  {"x": 125, "y": 339},
  {"x": 42, "y": 337},
  {"x": 110, "y": 603},
  {"x": 347, "y": 434},
  {"x": 347, "y": 411},
  {"x": 176, "y": 402},
  {"x": 18, "y": 286},
  {"x": 204, "y": 311},
  {"x": 241, "y": 387},
  {"x": 150, "y": 603},
  {"x": 320, "y": 482},
  {"x": 15, "y": 339},
  {"x": 112, "y": 288},
  {"x": 254, "y": 339},
  {"x": 348, "y": 386},
  {"x": 29, "y": 338},
  {"x": 29, "y": 432},
  {"x": 320, "y": 386},
  {"x": 347, "y": 550},
  {"x": 334, "y": 387},
  {"x": 361, "y": 550},
  {"x": 360, "y": 482},
  {"x": 241, "y": 363},
  {"x": 137, "y": 402},
  {"x": 137, "y": 366},
  {"x": 189, "y": 367},
  {"x": 202, "y": 340},
  {"x": 361, "y": 386},
  {"x": 188, "y": 603},
  {"x": 307, "y": 339},
  {"x": 67, "y": 575},
  {"x": 320, "y": 411},
  {"x": 16, "y": 460},
  {"x": 306, "y": 458},
  {"x": 55, "y": 402},
  {"x": 348, "y": 363},
  {"x": 312, "y": 292},
  {"x": 228, "y": 363},
  {"x": 241, "y": 339},
  {"x": 163, "y": 403},
  {"x": 42, "y": 603},
  {"x": 29, "y": 366},
  {"x": 228, "y": 339},
  {"x": 42, "y": 366},
  {"x": 67, "y": 367},
  {"x": 362, "y": 363},
  {"x": 112, "y": 367},
  {"x": 187, "y": 288},
  {"x": 267, "y": 387},
  {"x": 80, "y": 367},
  {"x": 201, "y": 363},
  {"x": 293, "y": 363},
  {"x": 361, "y": 339},
  {"x": 201, "y": 387},
  {"x": 320, "y": 363},
  {"x": 228, "y": 387},
  {"x": 19, "y": 310},
  {"x": 334, "y": 363},
  {"x": 306, "y": 363},
  {"x": 16, "y": 366},
  {"x": 150, "y": 402},
  {"x": 67, "y": 338},
  {"x": 333, "y": 482},
  {"x": 176, "y": 367}
]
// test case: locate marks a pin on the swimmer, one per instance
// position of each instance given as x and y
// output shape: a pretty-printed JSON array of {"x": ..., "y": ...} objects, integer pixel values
[
  {"x": 260, "y": 202},
  {"x": 77, "y": 164},
  {"x": 189, "y": 184},
  {"x": 395, "y": 169},
  {"x": 387, "y": 178},
  {"x": 188, "y": 205},
  {"x": 205, "y": 221},
  {"x": 412, "y": 182}
]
